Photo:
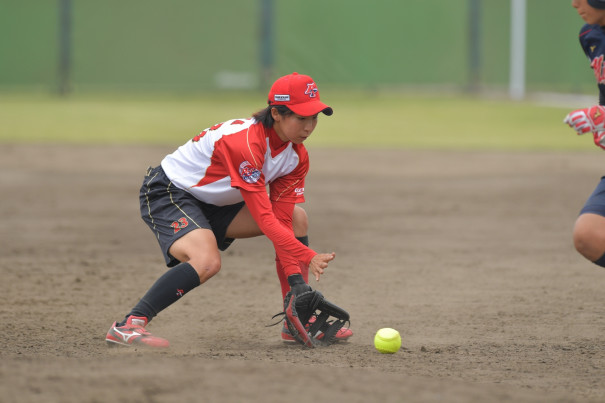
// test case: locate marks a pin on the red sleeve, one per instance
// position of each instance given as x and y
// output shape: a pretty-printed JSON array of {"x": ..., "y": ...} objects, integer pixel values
[
  {"x": 242, "y": 155},
  {"x": 283, "y": 212},
  {"x": 246, "y": 168},
  {"x": 288, "y": 249}
]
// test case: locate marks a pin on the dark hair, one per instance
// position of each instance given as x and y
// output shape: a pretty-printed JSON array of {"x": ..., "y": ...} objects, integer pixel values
[
  {"x": 264, "y": 115},
  {"x": 598, "y": 4}
]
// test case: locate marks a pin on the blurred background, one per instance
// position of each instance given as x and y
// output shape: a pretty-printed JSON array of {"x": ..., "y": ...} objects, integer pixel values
[
  {"x": 195, "y": 45},
  {"x": 155, "y": 71}
]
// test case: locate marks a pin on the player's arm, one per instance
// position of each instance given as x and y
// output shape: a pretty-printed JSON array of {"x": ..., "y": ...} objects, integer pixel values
[
  {"x": 288, "y": 249},
  {"x": 288, "y": 190},
  {"x": 283, "y": 212}
]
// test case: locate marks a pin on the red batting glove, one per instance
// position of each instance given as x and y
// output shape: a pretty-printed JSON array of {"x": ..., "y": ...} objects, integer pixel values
[
  {"x": 587, "y": 120},
  {"x": 599, "y": 139}
]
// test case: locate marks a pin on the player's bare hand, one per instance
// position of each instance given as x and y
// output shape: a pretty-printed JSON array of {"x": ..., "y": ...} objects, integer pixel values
[
  {"x": 319, "y": 263},
  {"x": 587, "y": 120}
]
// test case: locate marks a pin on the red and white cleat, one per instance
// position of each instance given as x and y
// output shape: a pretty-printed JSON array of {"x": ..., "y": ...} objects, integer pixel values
[{"x": 134, "y": 333}]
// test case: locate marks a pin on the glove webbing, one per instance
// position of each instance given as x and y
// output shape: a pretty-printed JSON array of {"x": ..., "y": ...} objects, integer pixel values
[
  {"x": 329, "y": 329},
  {"x": 305, "y": 305}
]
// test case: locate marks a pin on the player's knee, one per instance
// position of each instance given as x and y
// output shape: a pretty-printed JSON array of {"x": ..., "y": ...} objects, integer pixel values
[
  {"x": 580, "y": 241},
  {"x": 579, "y": 245},
  {"x": 587, "y": 243},
  {"x": 589, "y": 236},
  {"x": 300, "y": 221},
  {"x": 206, "y": 268}
]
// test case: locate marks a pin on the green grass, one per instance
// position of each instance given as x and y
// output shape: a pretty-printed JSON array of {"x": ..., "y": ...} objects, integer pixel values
[{"x": 360, "y": 120}]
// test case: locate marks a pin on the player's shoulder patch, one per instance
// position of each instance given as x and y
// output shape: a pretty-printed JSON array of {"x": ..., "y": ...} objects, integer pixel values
[{"x": 249, "y": 173}]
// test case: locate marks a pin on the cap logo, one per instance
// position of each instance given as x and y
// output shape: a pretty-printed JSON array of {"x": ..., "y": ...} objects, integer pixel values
[
  {"x": 311, "y": 90},
  {"x": 281, "y": 98}
]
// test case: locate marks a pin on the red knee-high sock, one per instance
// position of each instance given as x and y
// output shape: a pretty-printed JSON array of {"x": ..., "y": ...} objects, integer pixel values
[
  {"x": 304, "y": 269},
  {"x": 283, "y": 280}
]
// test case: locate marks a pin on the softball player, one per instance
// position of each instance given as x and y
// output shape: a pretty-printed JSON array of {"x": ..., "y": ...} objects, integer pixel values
[
  {"x": 589, "y": 229},
  {"x": 213, "y": 189}
]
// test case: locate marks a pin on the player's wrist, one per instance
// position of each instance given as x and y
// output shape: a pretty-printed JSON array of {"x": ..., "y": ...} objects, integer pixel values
[
  {"x": 295, "y": 279},
  {"x": 297, "y": 284}
]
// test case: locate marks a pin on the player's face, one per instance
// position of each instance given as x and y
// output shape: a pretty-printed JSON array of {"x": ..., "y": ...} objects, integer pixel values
[
  {"x": 589, "y": 14},
  {"x": 294, "y": 128}
]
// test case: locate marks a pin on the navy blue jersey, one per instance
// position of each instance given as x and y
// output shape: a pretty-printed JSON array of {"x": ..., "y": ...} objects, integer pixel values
[{"x": 592, "y": 39}]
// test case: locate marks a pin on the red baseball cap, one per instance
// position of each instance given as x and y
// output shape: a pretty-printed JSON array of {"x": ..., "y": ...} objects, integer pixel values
[{"x": 299, "y": 93}]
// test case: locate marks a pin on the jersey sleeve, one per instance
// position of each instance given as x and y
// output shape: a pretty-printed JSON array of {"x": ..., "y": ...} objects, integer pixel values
[
  {"x": 583, "y": 37},
  {"x": 243, "y": 157},
  {"x": 291, "y": 187},
  {"x": 283, "y": 212},
  {"x": 288, "y": 249}
]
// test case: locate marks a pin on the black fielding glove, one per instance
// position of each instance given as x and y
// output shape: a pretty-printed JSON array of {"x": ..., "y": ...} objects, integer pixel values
[{"x": 301, "y": 304}]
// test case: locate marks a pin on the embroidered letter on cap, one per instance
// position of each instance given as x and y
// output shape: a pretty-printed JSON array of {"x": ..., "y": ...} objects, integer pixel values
[{"x": 311, "y": 90}]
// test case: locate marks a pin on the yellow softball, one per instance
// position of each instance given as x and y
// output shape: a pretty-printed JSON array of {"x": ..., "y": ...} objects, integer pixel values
[{"x": 387, "y": 341}]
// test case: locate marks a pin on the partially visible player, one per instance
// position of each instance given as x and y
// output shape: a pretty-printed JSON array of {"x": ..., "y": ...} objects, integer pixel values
[
  {"x": 589, "y": 229},
  {"x": 213, "y": 189}
]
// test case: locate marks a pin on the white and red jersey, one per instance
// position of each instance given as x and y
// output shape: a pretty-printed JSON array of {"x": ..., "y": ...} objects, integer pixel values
[
  {"x": 240, "y": 158},
  {"x": 238, "y": 154}
]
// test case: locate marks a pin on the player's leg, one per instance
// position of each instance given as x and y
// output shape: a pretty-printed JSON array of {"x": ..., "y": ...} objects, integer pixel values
[
  {"x": 187, "y": 231},
  {"x": 589, "y": 228},
  {"x": 589, "y": 237},
  {"x": 198, "y": 248},
  {"x": 243, "y": 225},
  {"x": 195, "y": 259},
  {"x": 184, "y": 233},
  {"x": 180, "y": 226}
]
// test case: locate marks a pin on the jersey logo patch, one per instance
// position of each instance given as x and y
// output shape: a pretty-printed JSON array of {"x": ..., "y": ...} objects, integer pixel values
[{"x": 248, "y": 172}]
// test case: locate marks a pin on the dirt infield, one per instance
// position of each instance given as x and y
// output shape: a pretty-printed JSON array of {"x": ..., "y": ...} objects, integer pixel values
[{"x": 467, "y": 254}]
